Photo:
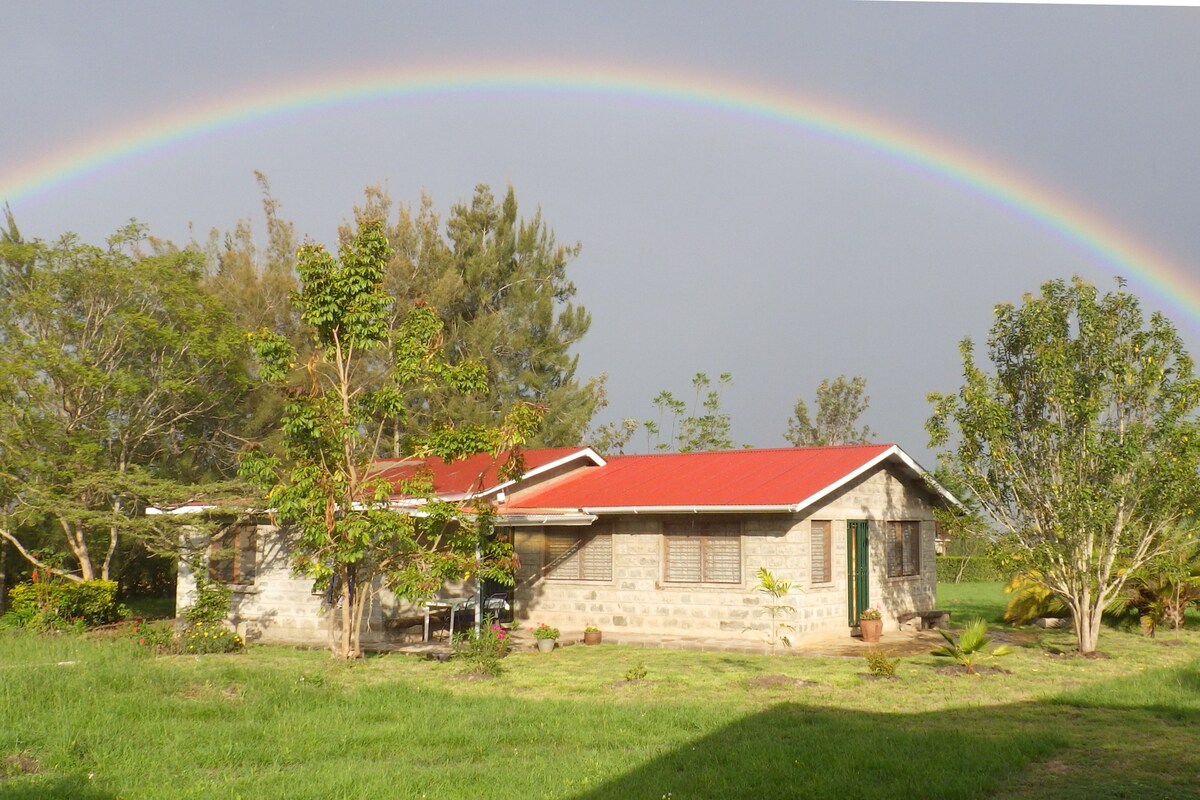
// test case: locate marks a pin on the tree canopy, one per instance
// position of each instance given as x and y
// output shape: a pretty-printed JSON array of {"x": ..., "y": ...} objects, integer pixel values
[
  {"x": 117, "y": 372},
  {"x": 499, "y": 282},
  {"x": 1082, "y": 441},
  {"x": 838, "y": 405},
  {"x": 365, "y": 361}
]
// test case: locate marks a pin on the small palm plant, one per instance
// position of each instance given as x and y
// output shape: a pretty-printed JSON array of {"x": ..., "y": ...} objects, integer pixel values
[
  {"x": 968, "y": 650},
  {"x": 778, "y": 589}
]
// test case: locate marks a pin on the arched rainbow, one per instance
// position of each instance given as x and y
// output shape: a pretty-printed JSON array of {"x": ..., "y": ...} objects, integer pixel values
[{"x": 1035, "y": 202}]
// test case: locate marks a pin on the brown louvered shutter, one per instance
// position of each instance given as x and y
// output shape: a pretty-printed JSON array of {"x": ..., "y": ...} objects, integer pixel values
[
  {"x": 247, "y": 553},
  {"x": 819, "y": 546},
  {"x": 683, "y": 559},
  {"x": 912, "y": 548},
  {"x": 597, "y": 558},
  {"x": 722, "y": 559},
  {"x": 562, "y": 554}
]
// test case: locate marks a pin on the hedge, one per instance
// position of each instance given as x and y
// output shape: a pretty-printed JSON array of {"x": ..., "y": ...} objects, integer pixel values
[
  {"x": 979, "y": 568},
  {"x": 90, "y": 602}
]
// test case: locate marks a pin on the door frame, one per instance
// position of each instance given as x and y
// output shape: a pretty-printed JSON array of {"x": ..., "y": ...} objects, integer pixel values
[{"x": 858, "y": 569}]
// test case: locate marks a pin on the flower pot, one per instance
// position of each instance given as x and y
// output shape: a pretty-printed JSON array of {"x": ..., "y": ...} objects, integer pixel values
[
  {"x": 592, "y": 637},
  {"x": 545, "y": 645},
  {"x": 871, "y": 629}
]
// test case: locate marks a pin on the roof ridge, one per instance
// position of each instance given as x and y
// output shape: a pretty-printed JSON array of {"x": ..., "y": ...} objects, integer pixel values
[{"x": 748, "y": 450}]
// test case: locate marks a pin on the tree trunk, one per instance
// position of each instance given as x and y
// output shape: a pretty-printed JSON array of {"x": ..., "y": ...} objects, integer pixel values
[
  {"x": 345, "y": 643},
  {"x": 1087, "y": 626},
  {"x": 77, "y": 542}
]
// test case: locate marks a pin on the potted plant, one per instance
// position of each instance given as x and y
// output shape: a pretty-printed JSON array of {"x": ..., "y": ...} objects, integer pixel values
[
  {"x": 592, "y": 635},
  {"x": 546, "y": 637},
  {"x": 870, "y": 625}
]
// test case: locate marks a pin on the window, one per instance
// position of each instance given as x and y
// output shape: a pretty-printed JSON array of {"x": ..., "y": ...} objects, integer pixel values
[
  {"x": 232, "y": 555},
  {"x": 702, "y": 552},
  {"x": 820, "y": 551},
  {"x": 904, "y": 549},
  {"x": 580, "y": 555}
]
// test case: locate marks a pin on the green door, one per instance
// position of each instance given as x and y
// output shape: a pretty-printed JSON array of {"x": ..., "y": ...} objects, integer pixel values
[{"x": 858, "y": 584}]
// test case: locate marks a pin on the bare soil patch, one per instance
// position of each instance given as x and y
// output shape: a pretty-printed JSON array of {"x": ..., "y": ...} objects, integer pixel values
[
  {"x": 779, "y": 682},
  {"x": 16, "y": 764}
]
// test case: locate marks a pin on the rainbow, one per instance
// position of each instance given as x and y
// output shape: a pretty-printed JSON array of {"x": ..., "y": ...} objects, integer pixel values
[{"x": 943, "y": 161}]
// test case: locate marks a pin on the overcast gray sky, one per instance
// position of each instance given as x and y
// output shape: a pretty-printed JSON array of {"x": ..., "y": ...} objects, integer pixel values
[{"x": 714, "y": 239}]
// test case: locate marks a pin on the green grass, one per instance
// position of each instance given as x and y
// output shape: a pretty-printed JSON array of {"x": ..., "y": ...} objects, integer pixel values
[
  {"x": 274, "y": 722},
  {"x": 966, "y": 601}
]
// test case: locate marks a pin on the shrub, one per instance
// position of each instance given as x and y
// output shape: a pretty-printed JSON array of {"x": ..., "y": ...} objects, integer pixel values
[
  {"x": 481, "y": 654},
  {"x": 158, "y": 636},
  {"x": 45, "y": 604},
  {"x": 879, "y": 664},
  {"x": 636, "y": 672},
  {"x": 212, "y": 602},
  {"x": 205, "y": 630},
  {"x": 209, "y": 637}
]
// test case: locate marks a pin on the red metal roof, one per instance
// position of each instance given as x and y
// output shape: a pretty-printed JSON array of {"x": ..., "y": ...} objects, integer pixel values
[
  {"x": 472, "y": 475},
  {"x": 775, "y": 477}
]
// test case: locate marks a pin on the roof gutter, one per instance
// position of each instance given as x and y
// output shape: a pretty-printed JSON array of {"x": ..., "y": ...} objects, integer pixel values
[{"x": 538, "y": 520}]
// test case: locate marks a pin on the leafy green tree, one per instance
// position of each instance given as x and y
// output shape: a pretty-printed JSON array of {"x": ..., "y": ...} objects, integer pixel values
[
  {"x": 116, "y": 374},
  {"x": 838, "y": 406},
  {"x": 347, "y": 537},
  {"x": 499, "y": 282},
  {"x": 707, "y": 427},
  {"x": 1082, "y": 444},
  {"x": 256, "y": 284}
]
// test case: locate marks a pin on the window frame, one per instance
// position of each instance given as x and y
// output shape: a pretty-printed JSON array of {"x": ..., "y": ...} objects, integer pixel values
[
  {"x": 826, "y": 576},
  {"x": 704, "y": 533},
  {"x": 900, "y": 549}
]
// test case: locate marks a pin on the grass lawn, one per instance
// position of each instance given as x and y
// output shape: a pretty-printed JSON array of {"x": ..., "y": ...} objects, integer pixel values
[
  {"x": 114, "y": 722},
  {"x": 970, "y": 600}
]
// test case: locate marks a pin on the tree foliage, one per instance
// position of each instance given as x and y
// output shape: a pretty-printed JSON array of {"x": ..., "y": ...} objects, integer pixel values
[
  {"x": 116, "y": 373},
  {"x": 1082, "y": 444},
  {"x": 707, "y": 427},
  {"x": 499, "y": 282},
  {"x": 838, "y": 406},
  {"x": 364, "y": 362}
]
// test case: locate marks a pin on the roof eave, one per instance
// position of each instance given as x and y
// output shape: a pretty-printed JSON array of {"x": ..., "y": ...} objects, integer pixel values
[{"x": 692, "y": 509}]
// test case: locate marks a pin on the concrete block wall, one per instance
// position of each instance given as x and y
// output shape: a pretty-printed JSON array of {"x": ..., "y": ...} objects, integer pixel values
[
  {"x": 637, "y": 600},
  {"x": 280, "y": 607}
]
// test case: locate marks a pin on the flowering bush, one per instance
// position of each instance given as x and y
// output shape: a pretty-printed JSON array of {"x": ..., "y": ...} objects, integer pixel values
[
  {"x": 481, "y": 654},
  {"x": 158, "y": 636},
  {"x": 205, "y": 630},
  {"x": 210, "y": 637},
  {"x": 544, "y": 631},
  {"x": 870, "y": 613}
]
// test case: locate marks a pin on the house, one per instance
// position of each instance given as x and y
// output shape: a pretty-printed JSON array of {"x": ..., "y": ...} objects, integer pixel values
[{"x": 649, "y": 544}]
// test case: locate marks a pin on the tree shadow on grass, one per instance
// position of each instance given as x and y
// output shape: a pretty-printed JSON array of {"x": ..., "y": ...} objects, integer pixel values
[
  {"x": 76, "y": 787},
  {"x": 1101, "y": 745}
]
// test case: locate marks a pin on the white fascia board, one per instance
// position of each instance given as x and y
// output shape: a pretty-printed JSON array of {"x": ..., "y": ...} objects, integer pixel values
[
  {"x": 152, "y": 511},
  {"x": 766, "y": 509},
  {"x": 588, "y": 452}
]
